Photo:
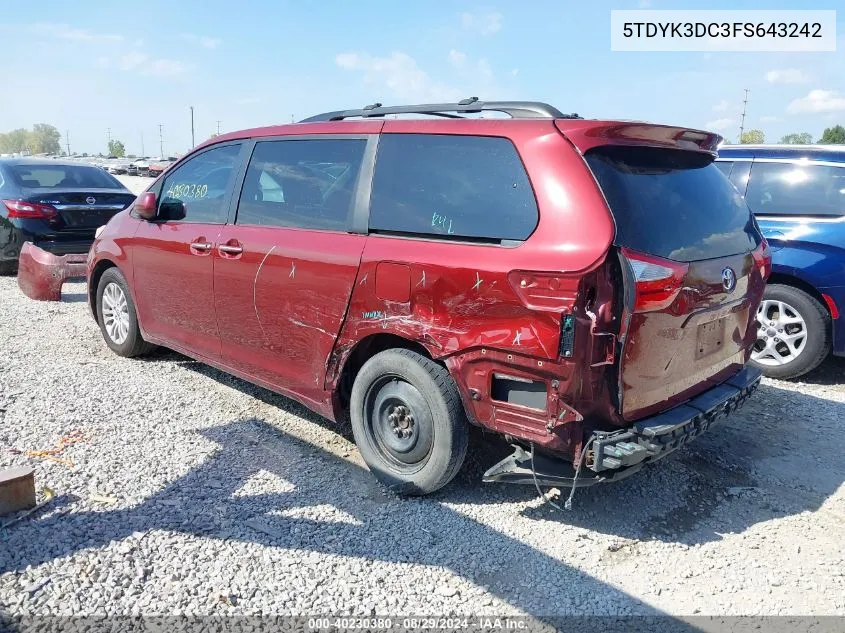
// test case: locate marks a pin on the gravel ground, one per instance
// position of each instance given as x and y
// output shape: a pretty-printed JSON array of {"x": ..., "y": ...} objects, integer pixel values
[{"x": 196, "y": 493}]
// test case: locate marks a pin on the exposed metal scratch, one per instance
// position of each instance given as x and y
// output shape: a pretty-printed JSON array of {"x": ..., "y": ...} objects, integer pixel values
[
  {"x": 422, "y": 281},
  {"x": 292, "y": 270},
  {"x": 306, "y": 325},
  {"x": 255, "y": 292},
  {"x": 517, "y": 338},
  {"x": 478, "y": 281},
  {"x": 363, "y": 279},
  {"x": 539, "y": 339}
]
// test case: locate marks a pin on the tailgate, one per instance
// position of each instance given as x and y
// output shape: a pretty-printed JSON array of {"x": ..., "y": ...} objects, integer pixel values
[
  {"x": 688, "y": 248},
  {"x": 80, "y": 209}
]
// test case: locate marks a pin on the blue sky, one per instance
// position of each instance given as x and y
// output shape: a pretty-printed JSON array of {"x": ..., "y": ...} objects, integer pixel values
[{"x": 87, "y": 66}]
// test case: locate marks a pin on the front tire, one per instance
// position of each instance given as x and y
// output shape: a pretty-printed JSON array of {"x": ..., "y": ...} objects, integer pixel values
[
  {"x": 117, "y": 316},
  {"x": 408, "y": 422},
  {"x": 794, "y": 335}
]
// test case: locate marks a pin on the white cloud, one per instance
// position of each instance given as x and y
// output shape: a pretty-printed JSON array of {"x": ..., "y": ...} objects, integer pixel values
[
  {"x": 165, "y": 67},
  {"x": 769, "y": 119},
  {"x": 132, "y": 60},
  {"x": 482, "y": 23},
  {"x": 722, "y": 106},
  {"x": 201, "y": 40},
  {"x": 67, "y": 32},
  {"x": 457, "y": 58},
  {"x": 818, "y": 102},
  {"x": 514, "y": 72},
  {"x": 787, "y": 76},
  {"x": 644, "y": 4},
  {"x": 720, "y": 124},
  {"x": 399, "y": 74}
]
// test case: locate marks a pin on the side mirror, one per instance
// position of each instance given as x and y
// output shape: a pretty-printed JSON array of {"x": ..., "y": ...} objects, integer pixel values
[{"x": 145, "y": 205}]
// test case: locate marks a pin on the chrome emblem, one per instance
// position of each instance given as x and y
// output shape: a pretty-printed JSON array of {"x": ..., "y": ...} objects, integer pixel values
[
  {"x": 90, "y": 200},
  {"x": 728, "y": 279}
]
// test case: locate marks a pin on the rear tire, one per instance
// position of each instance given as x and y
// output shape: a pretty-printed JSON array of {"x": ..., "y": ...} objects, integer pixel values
[
  {"x": 408, "y": 422},
  {"x": 798, "y": 328},
  {"x": 117, "y": 317}
]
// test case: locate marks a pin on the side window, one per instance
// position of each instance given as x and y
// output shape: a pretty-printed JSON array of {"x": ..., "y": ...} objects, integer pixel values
[
  {"x": 196, "y": 190},
  {"x": 796, "y": 189},
  {"x": 725, "y": 166},
  {"x": 301, "y": 183},
  {"x": 451, "y": 187}
]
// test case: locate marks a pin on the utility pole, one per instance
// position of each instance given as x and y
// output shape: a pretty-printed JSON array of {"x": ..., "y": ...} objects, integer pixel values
[
  {"x": 143, "y": 153},
  {"x": 108, "y": 133},
  {"x": 742, "y": 120},
  {"x": 160, "y": 142},
  {"x": 193, "y": 142},
  {"x": 291, "y": 118},
  {"x": 218, "y": 128},
  {"x": 67, "y": 140}
]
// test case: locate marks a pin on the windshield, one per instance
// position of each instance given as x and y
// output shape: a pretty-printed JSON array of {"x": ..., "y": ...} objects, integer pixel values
[
  {"x": 673, "y": 203},
  {"x": 63, "y": 177}
]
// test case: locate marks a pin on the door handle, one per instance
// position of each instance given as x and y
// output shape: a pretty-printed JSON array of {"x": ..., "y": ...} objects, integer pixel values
[
  {"x": 202, "y": 247},
  {"x": 230, "y": 250}
]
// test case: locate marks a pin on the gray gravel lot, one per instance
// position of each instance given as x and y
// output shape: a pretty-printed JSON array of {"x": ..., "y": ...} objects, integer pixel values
[{"x": 196, "y": 493}]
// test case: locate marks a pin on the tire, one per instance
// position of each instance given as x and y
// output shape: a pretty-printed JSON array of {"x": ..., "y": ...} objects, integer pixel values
[
  {"x": 8, "y": 268},
  {"x": 125, "y": 340},
  {"x": 792, "y": 311},
  {"x": 421, "y": 448}
]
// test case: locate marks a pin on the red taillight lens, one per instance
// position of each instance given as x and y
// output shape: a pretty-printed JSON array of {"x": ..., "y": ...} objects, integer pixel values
[
  {"x": 763, "y": 259},
  {"x": 29, "y": 210},
  {"x": 658, "y": 280}
]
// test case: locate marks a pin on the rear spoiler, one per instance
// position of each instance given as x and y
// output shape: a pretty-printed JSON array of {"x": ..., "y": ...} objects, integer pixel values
[{"x": 586, "y": 135}]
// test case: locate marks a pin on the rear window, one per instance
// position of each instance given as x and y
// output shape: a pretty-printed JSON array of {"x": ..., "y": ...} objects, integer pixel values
[
  {"x": 673, "y": 203},
  {"x": 63, "y": 176}
]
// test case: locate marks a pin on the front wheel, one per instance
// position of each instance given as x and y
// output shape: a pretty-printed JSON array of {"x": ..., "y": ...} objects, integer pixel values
[
  {"x": 408, "y": 421},
  {"x": 794, "y": 333},
  {"x": 117, "y": 317}
]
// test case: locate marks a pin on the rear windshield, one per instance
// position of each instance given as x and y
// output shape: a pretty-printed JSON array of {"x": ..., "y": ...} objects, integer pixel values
[
  {"x": 673, "y": 203},
  {"x": 63, "y": 176}
]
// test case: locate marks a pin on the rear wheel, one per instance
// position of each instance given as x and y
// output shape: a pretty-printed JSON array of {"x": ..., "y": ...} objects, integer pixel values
[
  {"x": 408, "y": 421},
  {"x": 117, "y": 317},
  {"x": 794, "y": 333}
]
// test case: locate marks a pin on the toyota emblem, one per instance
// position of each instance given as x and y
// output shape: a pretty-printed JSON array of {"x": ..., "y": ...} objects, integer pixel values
[
  {"x": 90, "y": 200},
  {"x": 728, "y": 279}
]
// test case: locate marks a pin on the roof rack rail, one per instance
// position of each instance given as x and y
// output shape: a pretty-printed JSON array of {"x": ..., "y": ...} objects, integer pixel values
[{"x": 516, "y": 109}]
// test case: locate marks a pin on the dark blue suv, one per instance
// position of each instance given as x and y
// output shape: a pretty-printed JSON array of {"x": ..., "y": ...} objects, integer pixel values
[{"x": 797, "y": 193}]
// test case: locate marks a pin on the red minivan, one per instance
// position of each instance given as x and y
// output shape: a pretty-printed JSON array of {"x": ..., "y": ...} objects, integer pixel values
[{"x": 587, "y": 289}]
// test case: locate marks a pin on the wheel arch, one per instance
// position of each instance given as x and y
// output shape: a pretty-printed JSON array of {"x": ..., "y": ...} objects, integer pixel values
[
  {"x": 94, "y": 280},
  {"x": 785, "y": 279}
]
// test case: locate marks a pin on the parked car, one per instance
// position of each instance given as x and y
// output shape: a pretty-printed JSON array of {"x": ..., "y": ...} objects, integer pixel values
[
  {"x": 117, "y": 167},
  {"x": 586, "y": 289},
  {"x": 158, "y": 166},
  {"x": 797, "y": 194},
  {"x": 56, "y": 204}
]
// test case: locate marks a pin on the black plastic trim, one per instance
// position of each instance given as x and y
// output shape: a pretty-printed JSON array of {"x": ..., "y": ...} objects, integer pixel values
[{"x": 516, "y": 109}]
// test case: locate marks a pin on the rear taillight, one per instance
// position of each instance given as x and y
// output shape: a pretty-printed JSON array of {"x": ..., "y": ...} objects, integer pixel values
[
  {"x": 763, "y": 259},
  {"x": 658, "y": 281},
  {"x": 29, "y": 210}
]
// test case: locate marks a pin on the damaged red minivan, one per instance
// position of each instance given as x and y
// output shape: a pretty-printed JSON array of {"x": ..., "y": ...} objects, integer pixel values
[{"x": 587, "y": 289}]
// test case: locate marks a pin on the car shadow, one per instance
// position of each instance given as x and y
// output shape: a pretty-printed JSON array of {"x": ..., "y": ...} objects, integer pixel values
[
  {"x": 765, "y": 461},
  {"x": 208, "y": 502},
  {"x": 74, "y": 297},
  {"x": 830, "y": 372}
]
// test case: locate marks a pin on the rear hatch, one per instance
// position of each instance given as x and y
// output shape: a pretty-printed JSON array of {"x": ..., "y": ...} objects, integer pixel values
[{"x": 692, "y": 262}]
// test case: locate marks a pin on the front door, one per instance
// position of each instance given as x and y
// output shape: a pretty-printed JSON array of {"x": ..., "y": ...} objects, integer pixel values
[
  {"x": 173, "y": 254},
  {"x": 284, "y": 271}
]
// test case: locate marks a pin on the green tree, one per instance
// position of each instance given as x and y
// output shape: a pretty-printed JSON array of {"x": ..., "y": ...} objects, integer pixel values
[
  {"x": 833, "y": 136},
  {"x": 803, "y": 138},
  {"x": 44, "y": 139},
  {"x": 14, "y": 141},
  {"x": 752, "y": 136},
  {"x": 116, "y": 148}
]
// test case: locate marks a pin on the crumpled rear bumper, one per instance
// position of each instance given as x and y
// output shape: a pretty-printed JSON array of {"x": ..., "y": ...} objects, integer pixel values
[
  {"x": 41, "y": 274},
  {"x": 617, "y": 454}
]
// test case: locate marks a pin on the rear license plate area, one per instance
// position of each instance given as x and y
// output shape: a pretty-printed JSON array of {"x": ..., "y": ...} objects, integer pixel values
[{"x": 711, "y": 338}]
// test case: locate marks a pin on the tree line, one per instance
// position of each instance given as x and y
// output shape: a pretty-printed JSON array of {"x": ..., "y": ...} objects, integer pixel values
[
  {"x": 44, "y": 138},
  {"x": 831, "y": 136}
]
